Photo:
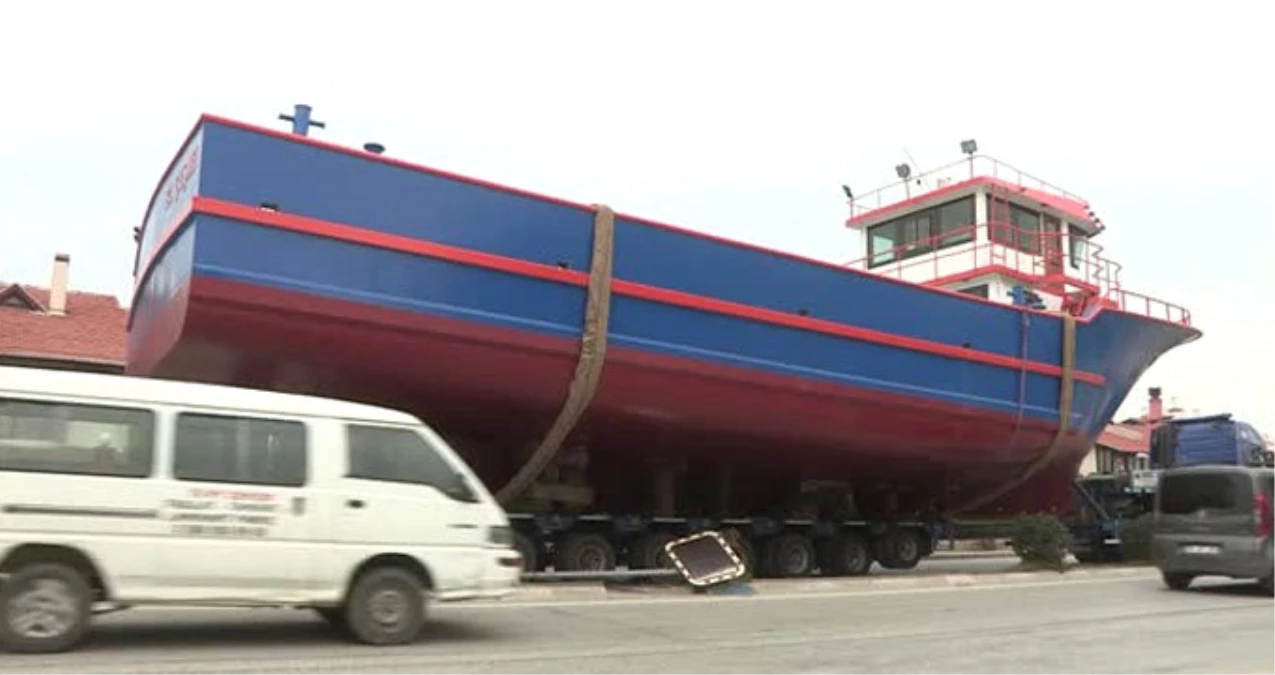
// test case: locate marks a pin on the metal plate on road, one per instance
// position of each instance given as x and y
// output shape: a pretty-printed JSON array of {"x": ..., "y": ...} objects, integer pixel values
[{"x": 705, "y": 559}]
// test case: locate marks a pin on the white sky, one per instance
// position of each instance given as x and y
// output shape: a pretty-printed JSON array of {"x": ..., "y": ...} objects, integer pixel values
[{"x": 712, "y": 115}]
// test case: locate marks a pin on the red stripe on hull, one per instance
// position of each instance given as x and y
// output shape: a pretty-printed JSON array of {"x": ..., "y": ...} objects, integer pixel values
[
  {"x": 341, "y": 232},
  {"x": 495, "y": 391}
]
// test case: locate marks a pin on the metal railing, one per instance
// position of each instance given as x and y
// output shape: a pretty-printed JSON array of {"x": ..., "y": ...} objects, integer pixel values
[
  {"x": 1000, "y": 247},
  {"x": 951, "y": 174}
]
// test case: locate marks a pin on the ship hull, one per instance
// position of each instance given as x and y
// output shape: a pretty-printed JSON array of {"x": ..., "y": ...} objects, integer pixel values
[{"x": 719, "y": 354}]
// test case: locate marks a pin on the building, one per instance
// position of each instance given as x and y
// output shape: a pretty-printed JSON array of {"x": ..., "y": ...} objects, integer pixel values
[
  {"x": 57, "y": 327},
  {"x": 1124, "y": 447}
]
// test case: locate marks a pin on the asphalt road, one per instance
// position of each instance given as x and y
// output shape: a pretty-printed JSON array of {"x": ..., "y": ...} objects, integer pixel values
[{"x": 1098, "y": 623}]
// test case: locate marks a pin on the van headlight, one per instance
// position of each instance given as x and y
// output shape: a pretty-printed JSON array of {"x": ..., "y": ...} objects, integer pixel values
[{"x": 500, "y": 535}]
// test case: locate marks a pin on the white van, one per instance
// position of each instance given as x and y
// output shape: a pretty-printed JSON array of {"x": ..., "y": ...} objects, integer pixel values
[{"x": 119, "y": 491}]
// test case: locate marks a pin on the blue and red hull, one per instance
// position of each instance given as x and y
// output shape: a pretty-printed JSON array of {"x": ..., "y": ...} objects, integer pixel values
[{"x": 463, "y": 301}]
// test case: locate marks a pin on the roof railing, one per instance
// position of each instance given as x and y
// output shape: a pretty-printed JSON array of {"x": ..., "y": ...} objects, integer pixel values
[{"x": 952, "y": 174}]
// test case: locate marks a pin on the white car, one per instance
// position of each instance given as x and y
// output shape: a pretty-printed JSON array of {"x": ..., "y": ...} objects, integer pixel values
[{"x": 118, "y": 491}]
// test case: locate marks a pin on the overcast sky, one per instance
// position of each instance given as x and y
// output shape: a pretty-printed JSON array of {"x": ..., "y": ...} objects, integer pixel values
[{"x": 714, "y": 115}]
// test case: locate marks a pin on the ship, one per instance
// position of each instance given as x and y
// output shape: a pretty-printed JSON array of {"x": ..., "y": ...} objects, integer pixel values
[{"x": 588, "y": 361}]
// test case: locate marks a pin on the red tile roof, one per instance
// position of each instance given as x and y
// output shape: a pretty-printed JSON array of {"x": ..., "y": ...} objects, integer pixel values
[
  {"x": 94, "y": 328},
  {"x": 1127, "y": 438}
]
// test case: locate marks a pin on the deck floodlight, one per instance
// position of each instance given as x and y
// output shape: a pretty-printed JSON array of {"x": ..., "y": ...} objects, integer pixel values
[
  {"x": 846, "y": 189},
  {"x": 903, "y": 171},
  {"x": 969, "y": 147}
]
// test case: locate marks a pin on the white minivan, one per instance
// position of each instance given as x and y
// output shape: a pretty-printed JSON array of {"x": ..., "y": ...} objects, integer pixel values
[{"x": 119, "y": 491}]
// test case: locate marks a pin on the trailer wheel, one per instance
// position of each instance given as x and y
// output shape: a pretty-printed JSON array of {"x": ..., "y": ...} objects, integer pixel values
[
  {"x": 744, "y": 549},
  {"x": 647, "y": 553},
  {"x": 899, "y": 549},
  {"x": 529, "y": 550},
  {"x": 790, "y": 555},
  {"x": 581, "y": 552},
  {"x": 844, "y": 554}
]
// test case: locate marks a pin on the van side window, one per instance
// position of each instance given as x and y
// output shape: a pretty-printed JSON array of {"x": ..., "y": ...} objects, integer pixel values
[
  {"x": 401, "y": 456},
  {"x": 75, "y": 438},
  {"x": 225, "y": 449}
]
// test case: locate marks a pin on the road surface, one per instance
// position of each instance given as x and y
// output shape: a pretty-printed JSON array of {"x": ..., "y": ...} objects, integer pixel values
[{"x": 1041, "y": 623}]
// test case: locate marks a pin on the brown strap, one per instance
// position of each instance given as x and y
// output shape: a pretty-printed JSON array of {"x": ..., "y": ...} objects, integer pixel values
[
  {"x": 593, "y": 346},
  {"x": 1066, "y": 398}
]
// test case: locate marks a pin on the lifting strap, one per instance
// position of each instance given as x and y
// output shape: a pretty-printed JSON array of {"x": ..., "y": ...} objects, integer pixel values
[
  {"x": 1066, "y": 396},
  {"x": 593, "y": 346}
]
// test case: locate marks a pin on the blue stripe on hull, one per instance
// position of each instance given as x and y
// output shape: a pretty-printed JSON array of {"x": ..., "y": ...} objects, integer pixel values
[
  {"x": 297, "y": 262},
  {"x": 351, "y": 190}
]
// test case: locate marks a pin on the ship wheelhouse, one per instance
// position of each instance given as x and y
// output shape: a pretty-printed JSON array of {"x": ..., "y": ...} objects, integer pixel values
[{"x": 982, "y": 227}]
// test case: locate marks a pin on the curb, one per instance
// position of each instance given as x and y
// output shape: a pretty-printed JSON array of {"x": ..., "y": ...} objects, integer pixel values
[{"x": 575, "y": 591}]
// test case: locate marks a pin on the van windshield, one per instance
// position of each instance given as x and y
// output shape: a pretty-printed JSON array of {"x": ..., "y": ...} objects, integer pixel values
[{"x": 1218, "y": 492}]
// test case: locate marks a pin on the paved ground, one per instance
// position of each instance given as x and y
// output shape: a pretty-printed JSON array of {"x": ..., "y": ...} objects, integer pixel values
[{"x": 1119, "y": 620}]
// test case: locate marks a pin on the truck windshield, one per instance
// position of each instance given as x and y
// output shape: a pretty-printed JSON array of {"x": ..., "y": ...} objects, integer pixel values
[{"x": 1218, "y": 492}]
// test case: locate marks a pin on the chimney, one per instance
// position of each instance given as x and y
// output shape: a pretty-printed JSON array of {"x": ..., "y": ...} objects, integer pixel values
[
  {"x": 1155, "y": 407},
  {"x": 57, "y": 292}
]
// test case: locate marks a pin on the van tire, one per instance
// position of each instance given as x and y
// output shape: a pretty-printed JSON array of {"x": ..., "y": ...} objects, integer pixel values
[
  {"x": 386, "y": 607},
  {"x": 72, "y": 604}
]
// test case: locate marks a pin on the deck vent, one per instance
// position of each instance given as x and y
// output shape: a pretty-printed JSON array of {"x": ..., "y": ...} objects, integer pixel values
[{"x": 374, "y": 148}]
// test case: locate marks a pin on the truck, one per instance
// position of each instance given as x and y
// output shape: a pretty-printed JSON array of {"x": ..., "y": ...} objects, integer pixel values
[{"x": 1104, "y": 504}]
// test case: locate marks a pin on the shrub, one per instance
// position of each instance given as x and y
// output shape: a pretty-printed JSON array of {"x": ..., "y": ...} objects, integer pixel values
[
  {"x": 1041, "y": 540},
  {"x": 1135, "y": 539}
]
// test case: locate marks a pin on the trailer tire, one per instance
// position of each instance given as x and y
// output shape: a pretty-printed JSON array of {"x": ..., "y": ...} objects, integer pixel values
[
  {"x": 529, "y": 549},
  {"x": 744, "y": 549},
  {"x": 790, "y": 555},
  {"x": 845, "y": 554},
  {"x": 647, "y": 553},
  {"x": 581, "y": 552},
  {"x": 899, "y": 549}
]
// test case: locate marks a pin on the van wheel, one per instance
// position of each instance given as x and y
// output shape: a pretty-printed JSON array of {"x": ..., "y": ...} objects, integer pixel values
[
  {"x": 1267, "y": 584},
  {"x": 44, "y": 608},
  {"x": 1177, "y": 580},
  {"x": 386, "y": 607}
]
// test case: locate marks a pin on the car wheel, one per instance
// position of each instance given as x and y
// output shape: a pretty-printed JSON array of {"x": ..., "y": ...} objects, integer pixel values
[
  {"x": 44, "y": 608},
  {"x": 1177, "y": 581},
  {"x": 386, "y": 607}
]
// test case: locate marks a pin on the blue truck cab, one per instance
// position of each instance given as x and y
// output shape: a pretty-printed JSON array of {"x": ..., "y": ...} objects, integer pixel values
[{"x": 1210, "y": 439}]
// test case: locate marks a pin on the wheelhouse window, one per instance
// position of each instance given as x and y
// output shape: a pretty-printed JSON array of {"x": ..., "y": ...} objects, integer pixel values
[
  {"x": 73, "y": 438},
  {"x": 941, "y": 226},
  {"x": 1077, "y": 243},
  {"x": 1014, "y": 226}
]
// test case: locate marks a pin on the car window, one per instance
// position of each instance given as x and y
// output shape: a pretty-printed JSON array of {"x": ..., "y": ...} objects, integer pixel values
[
  {"x": 1185, "y": 494},
  {"x": 75, "y": 438},
  {"x": 251, "y": 451},
  {"x": 399, "y": 455}
]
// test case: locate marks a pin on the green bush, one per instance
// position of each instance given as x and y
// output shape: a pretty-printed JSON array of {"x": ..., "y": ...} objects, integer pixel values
[
  {"x": 1135, "y": 539},
  {"x": 1041, "y": 541}
]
